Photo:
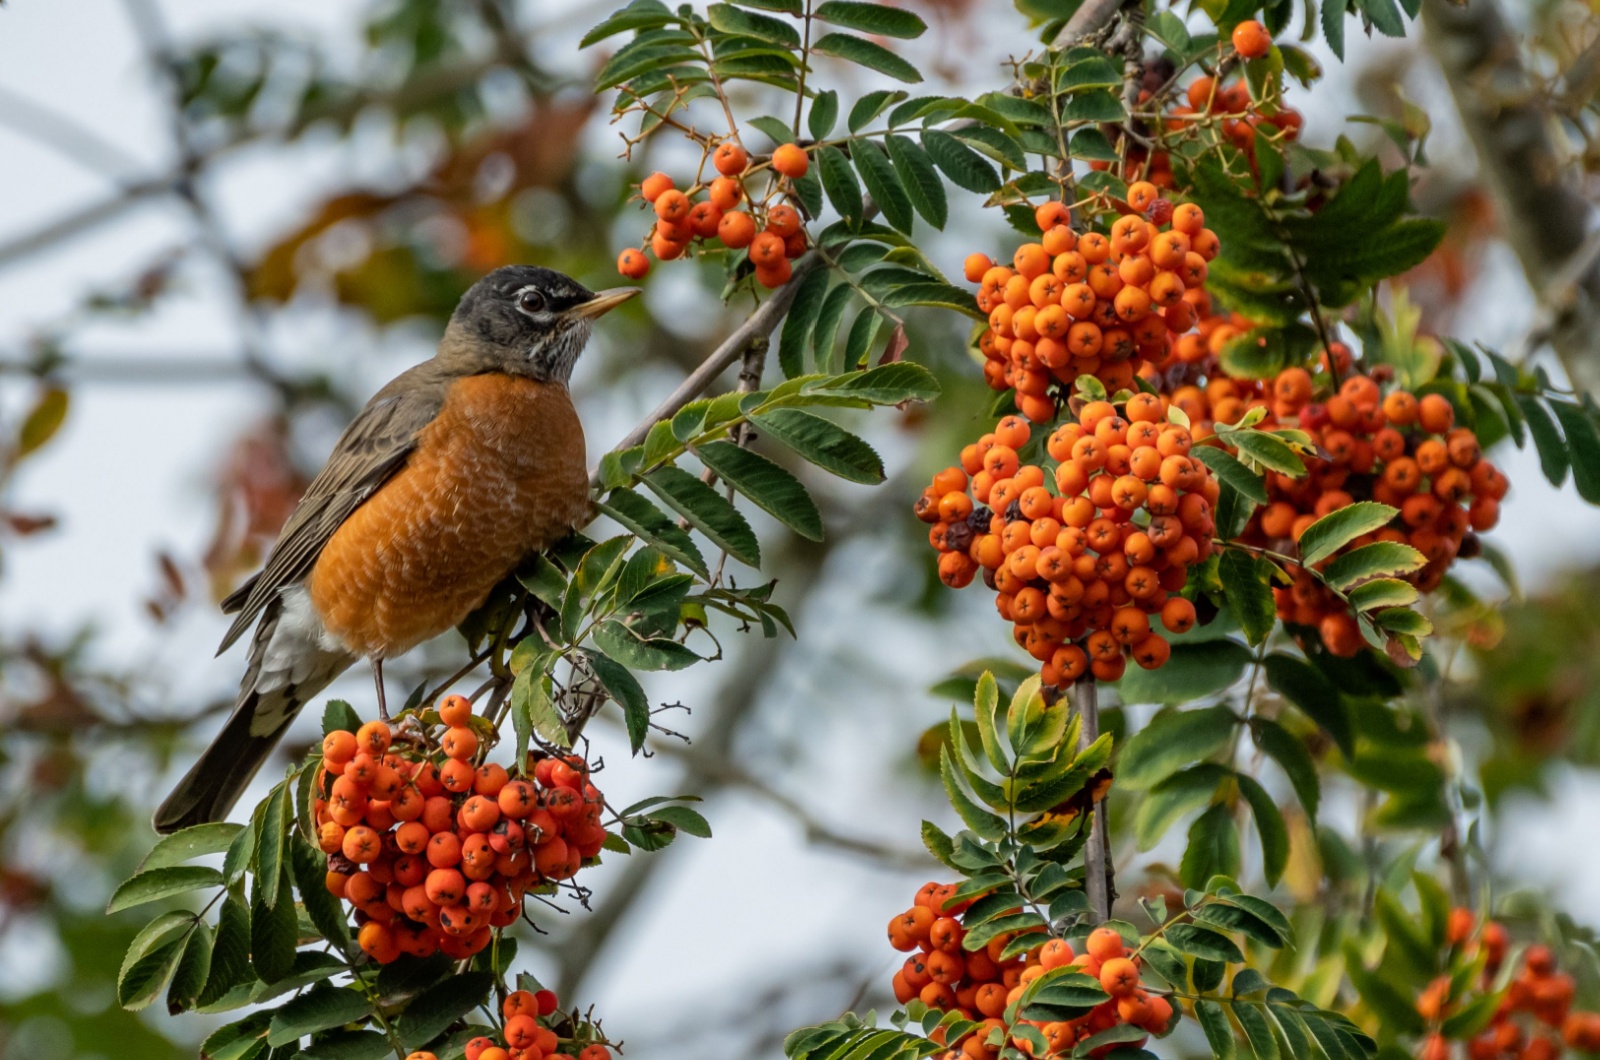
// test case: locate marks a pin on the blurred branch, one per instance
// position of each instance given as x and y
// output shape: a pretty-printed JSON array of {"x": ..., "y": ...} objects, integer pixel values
[
  {"x": 1544, "y": 217},
  {"x": 84, "y": 219},
  {"x": 131, "y": 368},
  {"x": 339, "y": 108},
  {"x": 65, "y": 135},
  {"x": 725, "y": 772}
]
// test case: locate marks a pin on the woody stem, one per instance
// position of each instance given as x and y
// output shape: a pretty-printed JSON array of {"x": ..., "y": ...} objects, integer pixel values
[
  {"x": 759, "y": 324},
  {"x": 1097, "y": 867}
]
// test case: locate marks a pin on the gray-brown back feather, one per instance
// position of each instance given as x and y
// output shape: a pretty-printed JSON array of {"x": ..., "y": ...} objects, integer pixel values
[{"x": 374, "y": 447}]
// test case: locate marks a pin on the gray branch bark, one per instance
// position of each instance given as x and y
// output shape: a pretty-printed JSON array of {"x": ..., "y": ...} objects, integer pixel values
[{"x": 1545, "y": 217}]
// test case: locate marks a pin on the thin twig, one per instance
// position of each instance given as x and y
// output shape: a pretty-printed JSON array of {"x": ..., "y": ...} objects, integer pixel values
[
  {"x": 758, "y": 324},
  {"x": 805, "y": 65},
  {"x": 1097, "y": 868}
]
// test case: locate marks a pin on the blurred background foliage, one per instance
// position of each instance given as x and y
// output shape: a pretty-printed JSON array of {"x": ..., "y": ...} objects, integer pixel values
[{"x": 469, "y": 139}]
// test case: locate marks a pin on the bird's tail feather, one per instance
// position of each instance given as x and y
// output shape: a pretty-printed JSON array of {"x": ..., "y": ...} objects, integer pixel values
[
  {"x": 290, "y": 662},
  {"x": 209, "y": 790}
]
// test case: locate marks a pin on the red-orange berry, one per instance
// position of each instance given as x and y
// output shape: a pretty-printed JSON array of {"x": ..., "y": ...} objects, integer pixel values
[
  {"x": 1251, "y": 39},
  {"x": 633, "y": 264},
  {"x": 1119, "y": 977},
  {"x": 459, "y": 743},
  {"x": 672, "y": 205},
  {"x": 737, "y": 229},
  {"x": 653, "y": 185},
  {"x": 1104, "y": 944},
  {"x": 783, "y": 221},
  {"x": 455, "y": 710},
  {"x": 730, "y": 158},
  {"x": 791, "y": 160},
  {"x": 725, "y": 193}
]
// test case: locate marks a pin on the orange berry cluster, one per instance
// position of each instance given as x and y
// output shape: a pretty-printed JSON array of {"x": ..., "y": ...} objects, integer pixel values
[
  {"x": 527, "y": 1034},
  {"x": 982, "y": 983},
  {"x": 1238, "y": 115},
  {"x": 435, "y": 852},
  {"x": 1082, "y": 572},
  {"x": 1106, "y": 306},
  {"x": 772, "y": 240},
  {"x": 1535, "y": 1018},
  {"x": 1207, "y": 103},
  {"x": 1212, "y": 332},
  {"x": 1396, "y": 449}
]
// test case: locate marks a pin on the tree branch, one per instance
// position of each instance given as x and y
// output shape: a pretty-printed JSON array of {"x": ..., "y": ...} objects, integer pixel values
[
  {"x": 84, "y": 219},
  {"x": 1089, "y": 19},
  {"x": 758, "y": 325},
  {"x": 65, "y": 135},
  {"x": 1544, "y": 217},
  {"x": 1097, "y": 868}
]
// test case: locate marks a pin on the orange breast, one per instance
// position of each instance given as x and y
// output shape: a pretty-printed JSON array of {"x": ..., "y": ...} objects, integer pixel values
[{"x": 499, "y": 473}]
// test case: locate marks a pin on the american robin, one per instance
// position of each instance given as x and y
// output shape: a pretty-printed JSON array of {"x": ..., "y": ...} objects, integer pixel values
[{"x": 445, "y": 481}]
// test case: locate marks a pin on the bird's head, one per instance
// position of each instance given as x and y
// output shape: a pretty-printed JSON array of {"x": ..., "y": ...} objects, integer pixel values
[{"x": 525, "y": 320}]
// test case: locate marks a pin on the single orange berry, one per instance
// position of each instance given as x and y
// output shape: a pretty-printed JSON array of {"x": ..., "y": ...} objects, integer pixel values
[
  {"x": 725, "y": 193},
  {"x": 736, "y": 229},
  {"x": 1251, "y": 40},
  {"x": 1119, "y": 977},
  {"x": 633, "y": 264},
  {"x": 767, "y": 249},
  {"x": 667, "y": 249},
  {"x": 672, "y": 205},
  {"x": 460, "y": 743},
  {"x": 1104, "y": 943},
  {"x": 653, "y": 185},
  {"x": 703, "y": 219},
  {"x": 774, "y": 275},
  {"x": 783, "y": 221},
  {"x": 338, "y": 747},
  {"x": 455, "y": 710},
  {"x": 373, "y": 737},
  {"x": 791, "y": 160},
  {"x": 1436, "y": 413},
  {"x": 730, "y": 158},
  {"x": 1050, "y": 214},
  {"x": 1142, "y": 195}
]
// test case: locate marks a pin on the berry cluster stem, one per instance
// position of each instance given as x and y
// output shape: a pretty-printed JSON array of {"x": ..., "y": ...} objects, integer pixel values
[{"x": 1097, "y": 868}]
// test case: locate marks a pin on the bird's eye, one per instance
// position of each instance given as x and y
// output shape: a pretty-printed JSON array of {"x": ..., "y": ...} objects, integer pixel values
[{"x": 531, "y": 301}]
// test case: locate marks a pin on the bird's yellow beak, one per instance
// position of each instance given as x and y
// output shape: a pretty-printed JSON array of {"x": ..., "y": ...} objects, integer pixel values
[{"x": 605, "y": 301}]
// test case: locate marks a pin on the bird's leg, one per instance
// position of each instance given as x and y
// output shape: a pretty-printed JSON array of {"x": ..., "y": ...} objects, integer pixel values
[{"x": 377, "y": 678}]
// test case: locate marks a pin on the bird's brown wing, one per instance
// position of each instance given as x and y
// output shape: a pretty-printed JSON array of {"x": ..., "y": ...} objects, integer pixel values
[{"x": 375, "y": 446}]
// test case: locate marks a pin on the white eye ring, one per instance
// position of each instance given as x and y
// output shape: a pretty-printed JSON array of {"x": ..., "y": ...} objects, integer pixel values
[{"x": 531, "y": 300}]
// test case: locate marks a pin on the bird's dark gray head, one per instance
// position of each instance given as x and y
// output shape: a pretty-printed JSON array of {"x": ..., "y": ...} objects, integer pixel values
[{"x": 525, "y": 320}]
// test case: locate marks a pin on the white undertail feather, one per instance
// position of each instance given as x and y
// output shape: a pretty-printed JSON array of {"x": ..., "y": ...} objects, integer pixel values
[
  {"x": 291, "y": 660},
  {"x": 298, "y": 660}
]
